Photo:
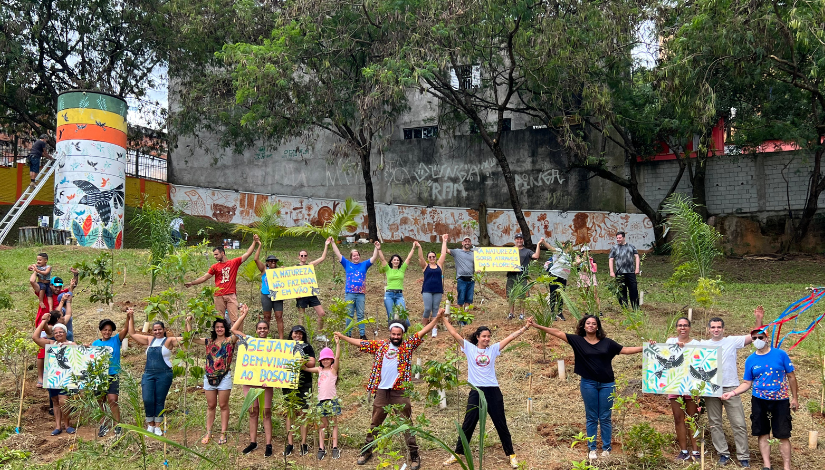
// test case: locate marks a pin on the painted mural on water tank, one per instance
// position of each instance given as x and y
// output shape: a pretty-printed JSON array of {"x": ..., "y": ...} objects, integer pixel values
[{"x": 89, "y": 183}]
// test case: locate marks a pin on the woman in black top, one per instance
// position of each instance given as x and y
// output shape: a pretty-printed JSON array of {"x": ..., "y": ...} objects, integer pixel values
[{"x": 594, "y": 353}]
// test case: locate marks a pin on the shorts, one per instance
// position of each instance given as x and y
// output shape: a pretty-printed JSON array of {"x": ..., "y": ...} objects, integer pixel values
[
  {"x": 226, "y": 383},
  {"x": 511, "y": 282},
  {"x": 771, "y": 416},
  {"x": 34, "y": 164},
  {"x": 686, "y": 397},
  {"x": 301, "y": 395},
  {"x": 46, "y": 288},
  {"x": 306, "y": 302},
  {"x": 330, "y": 407},
  {"x": 114, "y": 385},
  {"x": 54, "y": 392},
  {"x": 267, "y": 395},
  {"x": 269, "y": 305}
]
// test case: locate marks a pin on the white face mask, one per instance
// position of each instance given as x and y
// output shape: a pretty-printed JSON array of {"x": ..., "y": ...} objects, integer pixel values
[{"x": 759, "y": 343}]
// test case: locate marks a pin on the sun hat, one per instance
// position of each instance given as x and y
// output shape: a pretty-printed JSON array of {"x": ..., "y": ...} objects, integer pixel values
[{"x": 326, "y": 353}]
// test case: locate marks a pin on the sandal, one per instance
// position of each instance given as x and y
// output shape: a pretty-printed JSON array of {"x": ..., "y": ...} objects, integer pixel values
[
  {"x": 39, "y": 384},
  {"x": 208, "y": 437},
  {"x": 222, "y": 439}
]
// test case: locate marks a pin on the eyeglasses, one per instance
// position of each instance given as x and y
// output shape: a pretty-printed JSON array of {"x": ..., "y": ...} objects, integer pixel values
[
  {"x": 302, "y": 256},
  {"x": 758, "y": 337}
]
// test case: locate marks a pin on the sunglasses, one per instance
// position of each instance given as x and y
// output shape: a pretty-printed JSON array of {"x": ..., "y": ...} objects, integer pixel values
[
  {"x": 758, "y": 337},
  {"x": 302, "y": 256}
]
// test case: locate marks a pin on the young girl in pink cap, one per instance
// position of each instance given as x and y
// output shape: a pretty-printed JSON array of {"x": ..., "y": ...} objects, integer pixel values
[{"x": 328, "y": 397}]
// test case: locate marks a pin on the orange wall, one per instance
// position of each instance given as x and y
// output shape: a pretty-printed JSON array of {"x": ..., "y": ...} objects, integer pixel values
[{"x": 12, "y": 180}]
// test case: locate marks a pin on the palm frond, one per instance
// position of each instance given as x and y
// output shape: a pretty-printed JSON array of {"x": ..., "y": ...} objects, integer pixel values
[
  {"x": 344, "y": 220},
  {"x": 268, "y": 227},
  {"x": 693, "y": 241}
]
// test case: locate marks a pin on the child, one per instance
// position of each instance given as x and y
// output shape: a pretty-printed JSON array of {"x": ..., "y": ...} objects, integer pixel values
[
  {"x": 44, "y": 274},
  {"x": 328, "y": 397}
]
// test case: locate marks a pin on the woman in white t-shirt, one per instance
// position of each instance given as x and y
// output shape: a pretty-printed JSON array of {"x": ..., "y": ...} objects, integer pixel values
[{"x": 481, "y": 373}]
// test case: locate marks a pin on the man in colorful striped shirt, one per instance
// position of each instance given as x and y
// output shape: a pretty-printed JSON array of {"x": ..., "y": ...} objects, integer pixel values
[{"x": 388, "y": 379}]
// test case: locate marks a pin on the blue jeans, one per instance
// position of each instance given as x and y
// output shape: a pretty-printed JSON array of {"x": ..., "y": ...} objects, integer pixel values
[
  {"x": 356, "y": 310},
  {"x": 597, "y": 407},
  {"x": 465, "y": 291},
  {"x": 155, "y": 384},
  {"x": 391, "y": 299}
]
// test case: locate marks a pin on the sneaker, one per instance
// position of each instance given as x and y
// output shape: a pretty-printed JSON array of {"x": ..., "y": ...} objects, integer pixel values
[
  {"x": 321, "y": 454},
  {"x": 51, "y": 411},
  {"x": 158, "y": 431},
  {"x": 435, "y": 332},
  {"x": 304, "y": 449},
  {"x": 450, "y": 461},
  {"x": 118, "y": 431},
  {"x": 683, "y": 456},
  {"x": 415, "y": 462},
  {"x": 321, "y": 339},
  {"x": 724, "y": 460},
  {"x": 510, "y": 316},
  {"x": 696, "y": 456},
  {"x": 150, "y": 428},
  {"x": 363, "y": 337},
  {"x": 252, "y": 446},
  {"x": 268, "y": 451},
  {"x": 102, "y": 430},
  {"x": 364, "y": 458},
  {"x": 521, "y": 316},
  {"x": 605, "y": 454},
  {"x": 744, "y": 463},
  {"x": 288, "y": 450},
  {"x": 336, "y": 454},
  {"x": 561, "y": 317},
  {"x": 592, "y": 455},
  {"x": 513, "y": 461}
]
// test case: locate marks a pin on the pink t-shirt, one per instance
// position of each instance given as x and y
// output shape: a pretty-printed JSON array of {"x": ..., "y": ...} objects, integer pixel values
[{"x": 327, "y": 384}]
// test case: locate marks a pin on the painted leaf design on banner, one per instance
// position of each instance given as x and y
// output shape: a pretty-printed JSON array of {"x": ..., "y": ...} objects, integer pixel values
[
  {"x": 108, "y": 238},
  {"x": 87, "y": 225}
]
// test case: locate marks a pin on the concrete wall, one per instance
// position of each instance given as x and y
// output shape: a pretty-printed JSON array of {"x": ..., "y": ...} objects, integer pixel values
[
  {"x": 747, "y": 185},
  {"x": 451, "y": 170}
]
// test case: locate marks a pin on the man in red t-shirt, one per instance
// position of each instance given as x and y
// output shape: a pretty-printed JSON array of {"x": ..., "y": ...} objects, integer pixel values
[{"x": 226, "y": 273}]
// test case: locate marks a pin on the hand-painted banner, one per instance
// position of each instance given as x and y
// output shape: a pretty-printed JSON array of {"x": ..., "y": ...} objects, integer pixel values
[
  {"x": 503, "y": 258},
  {"x": 292, "y": 282},
  {"x": 669, "y": 369},
  {"x": 66, "y": 364},
  {"x": 265, "y": 362}
]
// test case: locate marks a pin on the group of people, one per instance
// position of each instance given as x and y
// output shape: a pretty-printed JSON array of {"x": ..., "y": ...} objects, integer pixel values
[{"x": 768, "y": 371}]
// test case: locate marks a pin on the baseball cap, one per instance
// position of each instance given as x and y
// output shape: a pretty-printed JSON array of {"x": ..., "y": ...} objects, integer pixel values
[
  {"x": 57, "y": 282},
  {"x": 518, "y": 235},
  {"x": 467, "y": 237}
]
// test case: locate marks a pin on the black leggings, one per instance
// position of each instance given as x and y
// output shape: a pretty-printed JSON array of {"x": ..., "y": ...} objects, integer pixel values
[
  {"x": 556, "y": 303},
  {"x": 495, "y": 408}
]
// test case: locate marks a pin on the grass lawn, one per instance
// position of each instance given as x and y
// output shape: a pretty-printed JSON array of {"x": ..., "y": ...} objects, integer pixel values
[{"x": 542, "y": 439}]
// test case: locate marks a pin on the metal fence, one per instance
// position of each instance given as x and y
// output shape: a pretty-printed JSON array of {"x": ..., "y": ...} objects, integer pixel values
[{"x": 145, "y": 166}]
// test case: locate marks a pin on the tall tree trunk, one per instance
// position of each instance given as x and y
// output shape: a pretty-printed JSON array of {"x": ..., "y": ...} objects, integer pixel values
[
  {"x": 511, "y": 190},
  {"x": 698, "y": 182},
  {"x": 483, "y": 234},
  {"x": 815, "y": 188},
  {"x": 369, "y": 193}
]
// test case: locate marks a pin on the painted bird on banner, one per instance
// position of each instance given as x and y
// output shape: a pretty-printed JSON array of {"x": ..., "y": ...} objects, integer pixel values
[{"x": 100, "y": 199}]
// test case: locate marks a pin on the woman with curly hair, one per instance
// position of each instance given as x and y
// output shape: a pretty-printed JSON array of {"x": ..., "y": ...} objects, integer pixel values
[
  {"x": 594, "y": 353},
  {"x": 217, "y": 383}
]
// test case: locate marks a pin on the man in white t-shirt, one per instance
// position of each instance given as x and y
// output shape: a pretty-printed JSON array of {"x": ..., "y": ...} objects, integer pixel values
[
  {"x": 176, "y": 230},
  {"x": 729, "y": 345}
]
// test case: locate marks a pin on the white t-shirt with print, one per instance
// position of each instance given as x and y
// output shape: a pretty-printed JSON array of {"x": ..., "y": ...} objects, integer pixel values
[
  {"x": 389, "y": 368},
  {"x": 481, "y": 364},
  {"x": 729, "y": 346}
]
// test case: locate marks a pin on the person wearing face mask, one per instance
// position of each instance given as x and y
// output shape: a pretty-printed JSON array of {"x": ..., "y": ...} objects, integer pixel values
[
  {"x": 109, "y": 339},
  {"x": 771, "y": 374},
  {"x": 392, "y": 361},
  {"x": 729, "y": 347},
  {"x": 56, "y": 395},
  {"x": 261, "y": 331},
  {"x": 157, "y": 374},
  {"x": 594, "y": 352},
  {"x": 481, "y": 373}
]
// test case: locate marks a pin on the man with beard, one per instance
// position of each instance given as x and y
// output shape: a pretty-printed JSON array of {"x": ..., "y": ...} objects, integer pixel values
[{"x": 388, "y": 378}]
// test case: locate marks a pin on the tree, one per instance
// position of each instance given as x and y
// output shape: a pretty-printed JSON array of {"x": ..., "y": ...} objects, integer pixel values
[
  {"x": 51, "y": 46},
  {"x": 778, "y": 49},
  {"x": 315, "y": 75}
]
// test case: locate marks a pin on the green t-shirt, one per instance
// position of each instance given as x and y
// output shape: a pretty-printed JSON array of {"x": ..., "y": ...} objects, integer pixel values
[{"x": 395, "y": 277}]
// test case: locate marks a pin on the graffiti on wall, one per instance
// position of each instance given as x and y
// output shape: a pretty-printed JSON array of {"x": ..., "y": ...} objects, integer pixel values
[{"x": 406, "y": 222}]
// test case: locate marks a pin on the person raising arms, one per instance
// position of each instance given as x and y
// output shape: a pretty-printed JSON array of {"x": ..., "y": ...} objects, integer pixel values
[
  {"x": 302, "y": 303},
  {"x": 394, "y": 291},
  {"x": 594, "y": 353},
  {"x": 157, "y": 375},
  {"x": 356, "y": 282},
  {"x": 109, "y": 339},
  {"x": 433, "y": 286},
  {"x": 481, "y": 373},
  {"x": 56, "y": 395}
]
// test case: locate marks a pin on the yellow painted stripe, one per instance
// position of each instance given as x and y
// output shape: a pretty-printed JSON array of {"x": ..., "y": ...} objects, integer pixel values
[{"x": 93, "y": 117}]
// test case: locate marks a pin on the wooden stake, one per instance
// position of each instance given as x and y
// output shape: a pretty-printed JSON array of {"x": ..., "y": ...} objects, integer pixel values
[
  {"x": 702, "y": 457},
  {"x": 22, "y": 394},
  {"x": 690, "y": 314},
  {"x": 146, "y": 327},
  {"x": 813, "y": 436},
  {"x": 165, "y": 429},
  {"x": 530, "y": 387},
  {"x": 562, "y": 372},
  {"x": 418, "y": 363},
  {"x": 641, "y": 297}
]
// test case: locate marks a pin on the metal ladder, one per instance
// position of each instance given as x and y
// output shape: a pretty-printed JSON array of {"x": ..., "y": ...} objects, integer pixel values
[{"x": 25, "y": 199}]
